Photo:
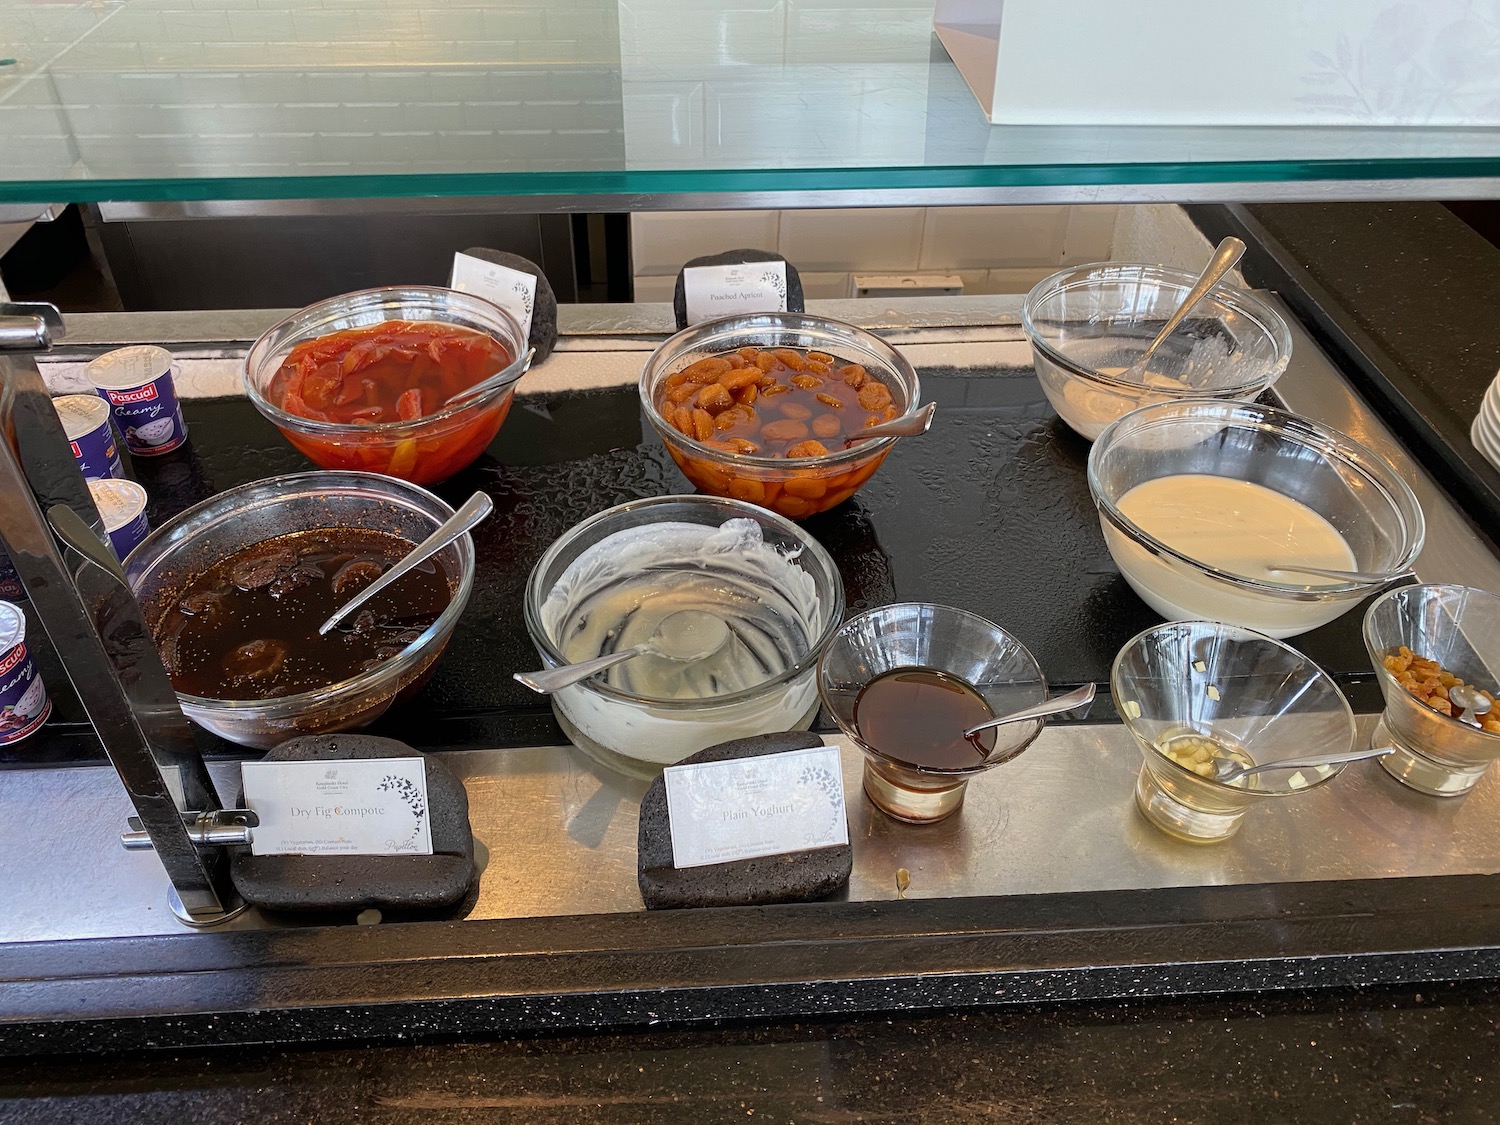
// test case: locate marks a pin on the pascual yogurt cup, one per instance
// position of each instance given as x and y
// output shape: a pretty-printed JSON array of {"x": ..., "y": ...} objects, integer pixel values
[
  {"x": 122, "y": 506},
  {"x": 24, "y": 705},
  {"x": 86, "y": 422},
  {"x": 137, "y": 384}
]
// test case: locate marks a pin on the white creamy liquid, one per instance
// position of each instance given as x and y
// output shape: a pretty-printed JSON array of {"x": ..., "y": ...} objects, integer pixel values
[
  {"x": 619, "y": 592},
  {"x": 1236, "y": 526}
]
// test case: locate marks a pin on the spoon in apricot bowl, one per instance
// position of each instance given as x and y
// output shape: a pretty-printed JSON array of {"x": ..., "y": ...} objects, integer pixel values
[
  {"x": 474, "y": 509},
  {"x": 909, "y": 426},
  {"x": 683, "y": 636}
]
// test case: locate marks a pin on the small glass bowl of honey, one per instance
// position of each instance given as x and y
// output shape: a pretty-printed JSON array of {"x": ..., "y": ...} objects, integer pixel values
[
  {"x": 905, "y": 681},
  {"x": 1199, "y": 693}
]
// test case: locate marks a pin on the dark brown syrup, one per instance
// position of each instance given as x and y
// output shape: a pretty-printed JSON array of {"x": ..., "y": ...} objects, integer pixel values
[
  {"x": 247, "y": 628},
  {"x": 919, "y": 715}
]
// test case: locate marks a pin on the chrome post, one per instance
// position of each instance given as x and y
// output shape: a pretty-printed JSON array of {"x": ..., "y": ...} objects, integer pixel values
[{"x": 97, "y": 627}]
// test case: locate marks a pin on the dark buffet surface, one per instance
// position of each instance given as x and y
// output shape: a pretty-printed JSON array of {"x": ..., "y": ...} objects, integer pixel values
[{"x": 990, "y": 511}]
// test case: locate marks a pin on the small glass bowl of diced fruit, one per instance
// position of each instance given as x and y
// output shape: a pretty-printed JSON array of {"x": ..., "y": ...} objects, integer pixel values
[
  {"x": 1426, "y": 641},
  {"x": 767, "y": 407},
  {"x": 1202, "y": 695}
]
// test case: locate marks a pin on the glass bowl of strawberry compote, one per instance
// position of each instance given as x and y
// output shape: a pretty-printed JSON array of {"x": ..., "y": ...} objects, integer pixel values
[{"x": 365, "y": 381}]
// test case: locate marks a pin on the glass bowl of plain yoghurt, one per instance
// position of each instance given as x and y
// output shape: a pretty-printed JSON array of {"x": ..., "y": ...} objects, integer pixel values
[
  {"x": 1205, "y": 507},
  {"x": 1088, "y": 325},
  {"x": 613, "y": 580}
]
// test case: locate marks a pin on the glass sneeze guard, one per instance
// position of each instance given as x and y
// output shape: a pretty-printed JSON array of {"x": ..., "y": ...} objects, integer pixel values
[{"x": 646, "y": 102}]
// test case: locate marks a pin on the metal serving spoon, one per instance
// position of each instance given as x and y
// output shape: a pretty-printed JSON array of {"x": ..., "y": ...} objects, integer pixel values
[
  {"x": 909, "y": 426},
  {"x": 1339, "y": 575},
  {"x": 1226, "y": 254},
  {"x": 684, "y": 636},
  {"x": 1475, "y": 705},
  {"x": 1078, "y": 697},
  {"x": 1226, "y": 769},
  {"x": 498, "y": 379},
  {"x": 475, "y": 508}
]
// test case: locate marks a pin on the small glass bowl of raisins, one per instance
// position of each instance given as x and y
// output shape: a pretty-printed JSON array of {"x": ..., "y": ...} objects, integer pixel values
[{"x": 760, "y": 407}]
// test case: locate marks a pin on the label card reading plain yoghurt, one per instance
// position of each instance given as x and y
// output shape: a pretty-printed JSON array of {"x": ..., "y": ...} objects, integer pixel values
[
  {"x": 748, "y": 807},
  {"x": 513, "y": 290},
  {"x": 714, "y": 291},
  {"x": 346, "y": 806}
]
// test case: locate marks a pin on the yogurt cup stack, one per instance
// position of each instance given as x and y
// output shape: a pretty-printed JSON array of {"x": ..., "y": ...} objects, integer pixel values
[{"x": 1485, "y": 430}]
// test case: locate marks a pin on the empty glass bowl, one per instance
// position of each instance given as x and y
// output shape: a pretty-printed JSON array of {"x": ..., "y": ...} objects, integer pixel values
[
  {"x": 1459, "y": 627},
  {"x": 1248, "y": 697},
  {"x": 1088, "y": 324},
  {"x": 1352, "y": 488},
  {"x": 942, "y": 639}
]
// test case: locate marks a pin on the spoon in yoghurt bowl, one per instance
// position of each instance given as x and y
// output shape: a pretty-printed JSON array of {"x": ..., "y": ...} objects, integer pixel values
[{"x": 685, "y": 636}]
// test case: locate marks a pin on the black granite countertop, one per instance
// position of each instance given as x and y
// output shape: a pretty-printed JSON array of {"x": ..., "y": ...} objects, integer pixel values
[{"x": 1409, "y": 1056}]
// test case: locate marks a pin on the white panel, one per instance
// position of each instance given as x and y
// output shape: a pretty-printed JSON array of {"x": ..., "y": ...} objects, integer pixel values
[{"x": 860, "y": 240}]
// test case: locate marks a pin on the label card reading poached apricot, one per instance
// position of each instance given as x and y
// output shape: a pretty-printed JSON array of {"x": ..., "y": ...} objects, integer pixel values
[
  {"x": 512, "y": 290},
  {"x": 748, "y": 807},
  {"x": 344, "y": 806},
  {"x": 713, "y": 291}
]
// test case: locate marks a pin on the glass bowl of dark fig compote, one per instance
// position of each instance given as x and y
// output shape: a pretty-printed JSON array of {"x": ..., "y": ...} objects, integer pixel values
[
  {"x": 234, "y": 589},
  {"x": 905, "y": 681}
]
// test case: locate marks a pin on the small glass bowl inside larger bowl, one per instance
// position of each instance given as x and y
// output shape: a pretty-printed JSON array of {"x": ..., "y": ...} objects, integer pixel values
[
  {"x": 211, "y": 532},
  {"x": 1350, "y": 486},
  {"x": 795, "y": 488},
  {"x": 662, "y": 538},
  {"x": 1256, "y": 698},
  {"x": 425, "y": 450},
  {"x": 941, "y": 639},
  {"x": 1088, "y": 324},
  {"x": 1459, "y": 627}
]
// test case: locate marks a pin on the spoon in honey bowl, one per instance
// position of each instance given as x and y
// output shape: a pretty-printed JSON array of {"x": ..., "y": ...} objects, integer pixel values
[
  {"x": 474, "y": 509},
  {"x": 1071, "y": 701},
  {"x": 684, "y": 636},
  {"x": 909, "y": 426}
]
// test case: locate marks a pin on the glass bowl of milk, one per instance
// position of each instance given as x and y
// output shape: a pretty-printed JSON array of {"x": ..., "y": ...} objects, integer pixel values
[
  {"x": 1195, "y": 691},
  {"x": 1089, "y": 324},
  {"x": 610, "y": 582},
  {"x": 1205, "y": 506}
]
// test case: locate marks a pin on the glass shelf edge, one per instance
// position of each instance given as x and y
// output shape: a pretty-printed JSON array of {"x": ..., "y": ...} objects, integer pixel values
[{"x": 770, "y": 182}]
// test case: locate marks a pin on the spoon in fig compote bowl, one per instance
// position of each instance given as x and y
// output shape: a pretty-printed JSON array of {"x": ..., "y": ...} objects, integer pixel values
[{"x": 474, "y": 509}]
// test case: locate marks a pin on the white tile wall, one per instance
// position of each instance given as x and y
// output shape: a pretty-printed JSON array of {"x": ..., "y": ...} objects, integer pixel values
[
  {"x": 976, "y": 237},
  {"x": 862, "y": 240},
  {"x": 994, "y": 249},
  {"x": 661, "y": 242}
]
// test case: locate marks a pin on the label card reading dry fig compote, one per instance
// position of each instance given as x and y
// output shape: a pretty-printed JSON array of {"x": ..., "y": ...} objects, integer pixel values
[
  {"x": 748, "y": 807},
  {"x": 344, "y": 806},
  {"x": 714, "y": 291}
]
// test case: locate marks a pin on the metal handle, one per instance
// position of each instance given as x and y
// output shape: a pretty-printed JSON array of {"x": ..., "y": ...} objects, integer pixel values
[
  {"x": 1225, "y": 256},
  {"x": 220, "y": 828},
  {"x": 1312, "y": 761},
  {"x": 475, "y": 508},
  {"x": 548, "y": 680},
  {"x": 1078, "y": 697},
  {"x": 910, "y": 426}
]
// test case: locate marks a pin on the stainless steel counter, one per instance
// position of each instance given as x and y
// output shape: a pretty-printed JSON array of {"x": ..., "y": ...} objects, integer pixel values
[{"x": 557, "y": 833}]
